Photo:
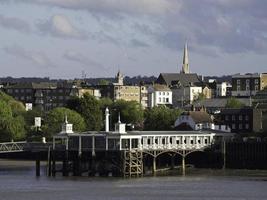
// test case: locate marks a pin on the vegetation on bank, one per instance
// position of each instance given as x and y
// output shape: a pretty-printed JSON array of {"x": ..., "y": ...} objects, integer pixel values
[{"x": 85, "y": 113}]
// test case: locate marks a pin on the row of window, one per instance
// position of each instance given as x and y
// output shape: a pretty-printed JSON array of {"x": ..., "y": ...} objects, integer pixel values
[
  {"x": 256, "y": 81},
  {"x": 163, "y": 100},
  {"x": 10, "y": 91},
  {"x": 163, "y": 93},
  {"x": 240, "y": 126},
  {"x": 173, "y": 141},
  {"x": 240, "y": 117},
  {"x": 256, "y": 88}
]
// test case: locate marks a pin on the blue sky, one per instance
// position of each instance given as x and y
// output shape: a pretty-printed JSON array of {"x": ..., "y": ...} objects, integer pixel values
[{"x": 62, "y": 38}]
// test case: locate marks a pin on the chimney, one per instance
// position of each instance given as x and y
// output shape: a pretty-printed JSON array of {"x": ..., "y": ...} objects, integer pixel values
[{"x": 107, "y": 120}]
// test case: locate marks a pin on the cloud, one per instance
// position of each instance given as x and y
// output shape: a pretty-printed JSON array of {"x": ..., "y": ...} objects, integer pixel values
[
  {"x": 83, "y": 60},
  {"x": 113, "y": 7},
  {"x": 14, "y": 23},
  {"x": 60, "y": 26},
  {"x": 139, "y": 43},
  {"x": 38, "y": 58},
  {"x": 230, "y": 26}
]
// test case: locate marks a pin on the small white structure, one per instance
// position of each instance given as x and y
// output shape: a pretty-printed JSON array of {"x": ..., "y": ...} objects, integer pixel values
[
  {"x": 120, "y": 127},
  {"x": 66, "y": 127},
  {"x": 159, "y": 95},
  {"x": 222, "y": 88},
  {"x": 37, "y": 122},
  {"x": 107, "y": 119},
  {"x": 28, "y": 106}
]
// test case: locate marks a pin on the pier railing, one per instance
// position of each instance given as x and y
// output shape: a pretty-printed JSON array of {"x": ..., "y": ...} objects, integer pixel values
[{"x": 8, "y": 147}]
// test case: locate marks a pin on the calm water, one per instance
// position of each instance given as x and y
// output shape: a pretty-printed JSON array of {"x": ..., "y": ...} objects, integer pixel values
[{"x": 19, "y": 182}]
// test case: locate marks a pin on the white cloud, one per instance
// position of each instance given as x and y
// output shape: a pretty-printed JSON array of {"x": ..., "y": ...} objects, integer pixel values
[
  {"x": 38, "y": 58},
  {"x": 83, "y": 60},
  {"x": 60, "y": 26},
  {"x": 114, "y": 6}
]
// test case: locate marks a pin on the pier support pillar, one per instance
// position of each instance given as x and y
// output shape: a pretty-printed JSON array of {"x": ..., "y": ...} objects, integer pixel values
[
  {"x": 53, "y": 164},
  {"x": 154, "y": 165},
  {"x": 49, "y": 162},
  {"x": 37, "y": 167},
  {"x": 65, "y": 166},
  {"x": 183, "y": 165}
]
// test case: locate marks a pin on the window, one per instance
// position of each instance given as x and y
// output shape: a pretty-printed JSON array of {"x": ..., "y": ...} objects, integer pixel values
[
  {"x": 159, "y": 99},
  {"x": 247, "y": 126},
  {"x": 256, "y": 81},
  {"x": 163, "y": 93},
  {"x": 233, "y": 126},
  {"x": 238, "y": 81},
  {"x": 240, "y": 126},
  {"x": 233, "y": 117},
  {"x": 238, "y": 88},
  {"x": 247, "y": 82},
  {"x": 167, "y": 100},
  {"x": 247, "y": 88},
  {"x": 246, "y": 117},
  {"x": 240, "y": 117},
  {"x": 256, "y": 87},
  {"x": 226, "y": 117},
  {"x": 163, "y": 99}
]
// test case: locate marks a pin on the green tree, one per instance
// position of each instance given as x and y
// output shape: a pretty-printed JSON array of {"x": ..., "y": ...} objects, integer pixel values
[
  {"x": 16, "y": 106},
  {"x": 160, "y": 118},
  {"x": 105, "y": 102},
  {"x": 131, "y": 112},
  {"x": 11, "y": 127},
  {"x": 55, "y": 119},
  {"x": 103, "y": 82},
  {"x": 234, "y": 103},
  {"x": 89, "y": 107}
]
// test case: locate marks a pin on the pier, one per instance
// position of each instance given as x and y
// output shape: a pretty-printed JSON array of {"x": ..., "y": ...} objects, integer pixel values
[{"x": 123, "y": 153}]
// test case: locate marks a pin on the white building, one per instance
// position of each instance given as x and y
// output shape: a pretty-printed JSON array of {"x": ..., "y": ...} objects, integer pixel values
[
  {"x": 222, "y": 88},
  {"x": 198, "y": 120},
  {"x": 159, "y": 95}
]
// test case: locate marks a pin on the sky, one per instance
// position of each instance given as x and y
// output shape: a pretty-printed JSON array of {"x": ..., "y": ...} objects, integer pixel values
[{"x": 68, "y": 38}]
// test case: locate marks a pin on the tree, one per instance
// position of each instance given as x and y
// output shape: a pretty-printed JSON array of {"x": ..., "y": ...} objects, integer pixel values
[
  {"x": 16, "y": 106},
  {"x": 11, "y": 127},
  {"x": 105, "y": 102},
  {"x": 89, "y": 108},
  {"x": 103, "y": 82},
  {"x": 160, "y": 118},
  {"x": 55, "y": 119},
  {"x": 233, "y": 103},
  {"x": 131, "y": 112}
]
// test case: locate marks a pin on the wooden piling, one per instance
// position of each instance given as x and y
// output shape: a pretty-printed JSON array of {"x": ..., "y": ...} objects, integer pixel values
[{"x": 37, "y": 169}]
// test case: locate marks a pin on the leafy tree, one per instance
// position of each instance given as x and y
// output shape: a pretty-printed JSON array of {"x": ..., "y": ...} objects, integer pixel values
[
  {"x": 105, "y": 102},
  {"x": 11, "y": 127},
  {"x": 16, "y": 106},
  {"x": 233, "y": 103},
  {"x": 55, "y": 119},
  {"x": 89, "y": 107},
  {"x": 160, "y": 118},
  {"x": 103, "y": 82},
  {"x": 131, "y": 112}
]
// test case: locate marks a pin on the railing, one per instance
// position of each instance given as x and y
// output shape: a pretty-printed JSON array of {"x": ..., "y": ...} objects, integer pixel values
[{"x": 8, "y": 147}]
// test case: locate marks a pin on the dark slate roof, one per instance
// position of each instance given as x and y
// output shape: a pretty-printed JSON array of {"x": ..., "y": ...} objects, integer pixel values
[
  {"x": 184, "y": 79},
  {"x": 199, "y": 116},
  {"x": 217, "y": 102}
]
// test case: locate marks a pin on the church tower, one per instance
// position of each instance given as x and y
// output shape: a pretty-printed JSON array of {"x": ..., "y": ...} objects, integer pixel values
[
  {"x": 119, "y": 78},
  {"x": 185, "y": 68}
]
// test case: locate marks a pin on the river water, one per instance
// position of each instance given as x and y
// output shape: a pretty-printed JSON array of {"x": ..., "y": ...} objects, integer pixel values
[{"x": 18, "y": 182}]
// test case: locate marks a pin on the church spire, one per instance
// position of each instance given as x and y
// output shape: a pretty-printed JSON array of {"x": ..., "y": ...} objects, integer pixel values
[{"x": 185, "y": 68}]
